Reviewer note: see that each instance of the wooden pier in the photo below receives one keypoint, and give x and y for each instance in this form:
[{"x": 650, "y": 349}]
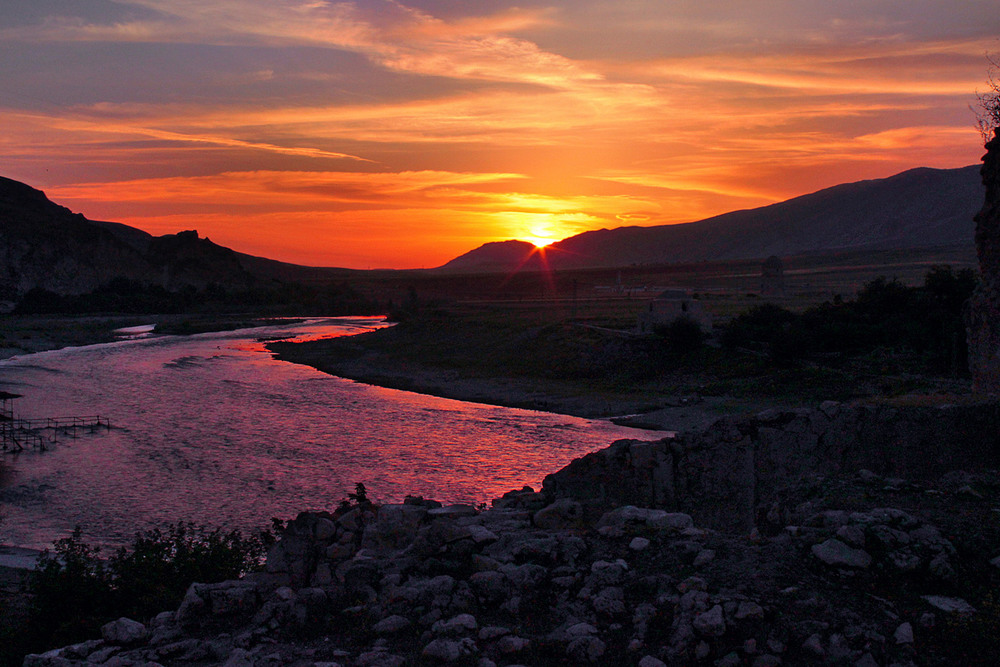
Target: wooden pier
[{"x": 18, "y": 434}]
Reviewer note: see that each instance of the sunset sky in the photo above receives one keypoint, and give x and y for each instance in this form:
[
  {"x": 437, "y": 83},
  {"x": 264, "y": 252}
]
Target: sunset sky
[{"x": 376, "y": 133}]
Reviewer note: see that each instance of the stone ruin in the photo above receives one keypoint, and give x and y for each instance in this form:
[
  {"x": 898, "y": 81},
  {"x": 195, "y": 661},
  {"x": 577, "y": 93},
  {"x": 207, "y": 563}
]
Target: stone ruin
[
  {"x": 772, "y": 278},
  {"x": 728, "y": 474},
  {"x": 670, "y": 306},
  {"x": 983, "y": 315}
]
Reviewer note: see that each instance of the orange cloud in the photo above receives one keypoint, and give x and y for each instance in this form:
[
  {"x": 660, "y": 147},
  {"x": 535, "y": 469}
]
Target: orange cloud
[
  {"x": 259, "y": 187},
  {"x": 352, "y": 123}
]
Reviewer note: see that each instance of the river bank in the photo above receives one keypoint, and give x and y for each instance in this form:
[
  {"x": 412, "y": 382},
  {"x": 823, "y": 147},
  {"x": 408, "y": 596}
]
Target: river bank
[
  {"x": 866, "y": 559},
  {"x": 28, "y": 334},
  {"x": 629, "y": 408},
  {"x": 500, "y": 356},
  {"x": 212, "y": 429}
]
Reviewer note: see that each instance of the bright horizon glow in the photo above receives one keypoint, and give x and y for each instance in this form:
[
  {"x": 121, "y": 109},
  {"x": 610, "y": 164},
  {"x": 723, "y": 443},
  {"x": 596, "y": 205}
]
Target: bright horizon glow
[
  {"x": 404, "y": 133},
  {"x": 539, "y": 242}
]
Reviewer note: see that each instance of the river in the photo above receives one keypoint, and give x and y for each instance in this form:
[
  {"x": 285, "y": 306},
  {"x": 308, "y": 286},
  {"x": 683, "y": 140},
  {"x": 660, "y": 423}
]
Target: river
[{"x": 212, "y": 429}]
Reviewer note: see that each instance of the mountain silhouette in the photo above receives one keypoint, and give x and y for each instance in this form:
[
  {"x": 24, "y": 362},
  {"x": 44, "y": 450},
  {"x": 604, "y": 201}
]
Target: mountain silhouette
[
  {"x": 918, "y": 208},
  {"x": 45, "y": 245}
]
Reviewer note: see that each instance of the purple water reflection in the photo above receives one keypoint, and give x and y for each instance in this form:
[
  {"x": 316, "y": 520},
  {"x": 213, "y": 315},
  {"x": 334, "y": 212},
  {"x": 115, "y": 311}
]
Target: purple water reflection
[{"x": 212, "y": 429}]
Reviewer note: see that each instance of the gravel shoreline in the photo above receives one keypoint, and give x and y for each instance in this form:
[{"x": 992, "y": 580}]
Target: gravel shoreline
[{"x": 638, "y": 410}]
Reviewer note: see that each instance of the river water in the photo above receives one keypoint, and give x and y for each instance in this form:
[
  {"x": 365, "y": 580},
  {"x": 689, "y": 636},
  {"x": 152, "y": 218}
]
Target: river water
[{"x": 211, "y": 429}]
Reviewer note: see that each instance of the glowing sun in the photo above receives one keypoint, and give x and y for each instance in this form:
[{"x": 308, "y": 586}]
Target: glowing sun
[{"x": 539, "y": 242}]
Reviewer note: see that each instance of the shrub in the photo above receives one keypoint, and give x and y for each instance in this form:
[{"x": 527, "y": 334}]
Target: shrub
[
  {"x": 759, "y": 327},
  {"x": 682, "y": 335},
  {"x": 154, "y": 574},
  {"x": 71, "y": 593},
  {"x": 74, "y": 592},
  {"x": 357, "y": 499},
  {"x": 923, "y": 323}
]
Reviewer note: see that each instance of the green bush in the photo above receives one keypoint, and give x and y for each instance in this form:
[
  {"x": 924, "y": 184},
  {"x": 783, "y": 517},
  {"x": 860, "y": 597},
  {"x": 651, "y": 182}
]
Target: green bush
[
  {"x": 924, "y": 323},
  {"x": 155, "y": 572},
  {"x": 71, "y": 593},
  {"x": 74, "y": 592}
]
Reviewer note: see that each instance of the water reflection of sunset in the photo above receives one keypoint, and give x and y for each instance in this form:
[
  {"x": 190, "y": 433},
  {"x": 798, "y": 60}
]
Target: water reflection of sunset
[{"x": 216, "y": 431}]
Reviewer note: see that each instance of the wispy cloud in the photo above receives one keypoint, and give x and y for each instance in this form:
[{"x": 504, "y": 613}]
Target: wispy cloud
[
  {"x": 378, "y": 121},
  {"x": 260, "y": 187},
  {"x": 389, "y": 33}
]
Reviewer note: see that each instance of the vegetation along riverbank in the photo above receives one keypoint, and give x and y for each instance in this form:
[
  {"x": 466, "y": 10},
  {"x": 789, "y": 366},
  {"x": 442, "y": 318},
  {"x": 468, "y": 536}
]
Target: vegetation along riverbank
[{"x": 889, "y": 339}]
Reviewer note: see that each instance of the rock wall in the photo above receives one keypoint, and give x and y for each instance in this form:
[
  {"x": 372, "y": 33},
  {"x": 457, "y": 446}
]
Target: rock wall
[
  {"x": 983, "y": 318},
  {"x": 414, "y": 584},
  {"x": 737, "y": 472}
]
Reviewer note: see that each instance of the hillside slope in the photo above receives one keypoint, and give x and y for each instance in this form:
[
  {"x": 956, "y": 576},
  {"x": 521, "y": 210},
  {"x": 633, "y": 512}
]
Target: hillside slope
[
  {"x": 917, "y": 208},
  {"x": 45, "y": 245}
]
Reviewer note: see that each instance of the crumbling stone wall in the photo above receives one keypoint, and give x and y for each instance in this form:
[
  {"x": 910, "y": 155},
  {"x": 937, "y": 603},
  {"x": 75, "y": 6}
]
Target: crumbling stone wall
[
  {"x": 983, "y": 318},
  {"x": 736, "y": 471}
]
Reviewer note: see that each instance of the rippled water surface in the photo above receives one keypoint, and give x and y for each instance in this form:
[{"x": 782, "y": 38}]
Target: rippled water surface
[{"x": 211, "y": 429}]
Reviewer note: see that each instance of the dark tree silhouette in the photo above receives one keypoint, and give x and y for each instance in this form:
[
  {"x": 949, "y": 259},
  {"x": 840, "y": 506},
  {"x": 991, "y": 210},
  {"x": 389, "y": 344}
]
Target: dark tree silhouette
[{"x": 988, "y": 108}]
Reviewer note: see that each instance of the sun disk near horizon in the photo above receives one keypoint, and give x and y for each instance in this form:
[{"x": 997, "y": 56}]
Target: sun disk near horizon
[{"x": 539, "y": 241}]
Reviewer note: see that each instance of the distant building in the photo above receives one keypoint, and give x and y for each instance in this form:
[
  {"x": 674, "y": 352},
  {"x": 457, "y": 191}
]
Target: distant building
[
  {"x": 772, "y": 277},
  {"x": 671, "y": 305}
]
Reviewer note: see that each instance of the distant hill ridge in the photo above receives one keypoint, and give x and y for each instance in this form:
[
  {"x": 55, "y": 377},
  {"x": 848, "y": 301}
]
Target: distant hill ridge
[
  {"x": 915, "y": 209},
  {"x": 45, "y": 245}
]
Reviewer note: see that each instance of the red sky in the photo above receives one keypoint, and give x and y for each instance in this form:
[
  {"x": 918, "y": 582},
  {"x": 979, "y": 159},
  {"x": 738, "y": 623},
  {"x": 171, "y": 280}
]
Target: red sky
[{"x": 401, "y": 134}]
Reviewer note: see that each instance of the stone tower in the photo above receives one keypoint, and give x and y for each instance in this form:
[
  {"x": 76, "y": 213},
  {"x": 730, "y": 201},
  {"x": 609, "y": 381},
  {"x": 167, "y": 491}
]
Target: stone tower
[
  {"x": 983, "y": 316},
  {"x": 772, "y": 277}
]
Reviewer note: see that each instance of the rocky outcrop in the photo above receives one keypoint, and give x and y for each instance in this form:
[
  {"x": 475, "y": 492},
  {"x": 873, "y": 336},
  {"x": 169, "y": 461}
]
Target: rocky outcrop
[
  {"x": 983, "y": 318},
  {"x": 735, "y": 473},
  {"x": 185, "y": 259},
  {"x": 787, "y": 552},
  {"x": 417, "y": 583},
  {"x": 44, "y": 245}
]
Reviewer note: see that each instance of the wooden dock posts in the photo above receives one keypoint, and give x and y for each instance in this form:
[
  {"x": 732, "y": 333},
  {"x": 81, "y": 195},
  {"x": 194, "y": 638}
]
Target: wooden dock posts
[{"x": 19, "y": 434}]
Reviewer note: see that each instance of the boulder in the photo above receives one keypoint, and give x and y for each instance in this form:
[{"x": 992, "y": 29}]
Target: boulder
[
  {"x": 903, "y": 634},
  {"x": 124, "y": 632},
  {"x": 711, "y": 623},
  {"x": 563, "y": 513},
  {"x": 391, "y": 625},
  {"x": 448, "y": 650},
  {"x": 463, "y": 624},
  {"x": 396, "y": 526},
  {"x": 949, "y": 605},
  {"x": 835, "y": 553}
]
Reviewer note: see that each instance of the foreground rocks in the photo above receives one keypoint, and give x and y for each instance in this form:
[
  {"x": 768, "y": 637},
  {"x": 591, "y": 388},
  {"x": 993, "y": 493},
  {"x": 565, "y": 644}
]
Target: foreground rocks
[
  {"x": 748, "y": 471},
  {"x": 787, "y": 552},
  {"x": 416, "y": 583}
]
